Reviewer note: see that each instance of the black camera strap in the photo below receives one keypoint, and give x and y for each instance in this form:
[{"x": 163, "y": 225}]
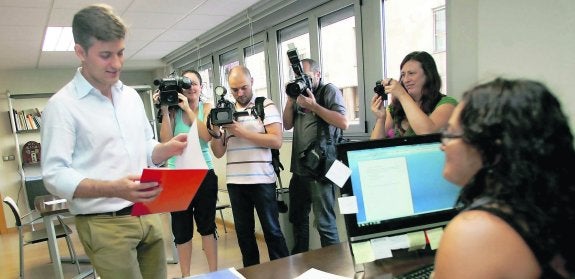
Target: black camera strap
[
  {"x": 258, "y": 111},
  {"x": 322, "y": 124}
]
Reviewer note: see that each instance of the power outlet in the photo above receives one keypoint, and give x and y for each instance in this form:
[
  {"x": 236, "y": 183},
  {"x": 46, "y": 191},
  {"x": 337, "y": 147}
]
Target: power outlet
[{"x": 8, "y": 158}]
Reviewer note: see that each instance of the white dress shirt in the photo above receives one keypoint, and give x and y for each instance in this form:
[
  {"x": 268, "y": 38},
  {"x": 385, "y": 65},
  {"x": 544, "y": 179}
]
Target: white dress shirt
[{"x": 85, "y": 135}]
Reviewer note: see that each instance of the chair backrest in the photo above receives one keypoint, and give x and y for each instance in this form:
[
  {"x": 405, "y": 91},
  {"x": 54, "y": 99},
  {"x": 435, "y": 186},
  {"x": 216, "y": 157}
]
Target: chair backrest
[{"x": 14, "y": 207}]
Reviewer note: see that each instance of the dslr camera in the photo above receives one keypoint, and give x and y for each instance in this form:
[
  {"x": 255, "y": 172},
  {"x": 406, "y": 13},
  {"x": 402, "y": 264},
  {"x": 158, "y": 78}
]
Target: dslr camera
[
  {"x": 301, "y": 82},
  {"x": 380, "y": 90},
  {"x": 224, "y": 112},
  {"x": 170, "y": 87}
]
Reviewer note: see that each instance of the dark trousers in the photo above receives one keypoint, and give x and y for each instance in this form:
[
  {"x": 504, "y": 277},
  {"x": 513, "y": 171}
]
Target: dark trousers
[{"x": 244, "y": 198}]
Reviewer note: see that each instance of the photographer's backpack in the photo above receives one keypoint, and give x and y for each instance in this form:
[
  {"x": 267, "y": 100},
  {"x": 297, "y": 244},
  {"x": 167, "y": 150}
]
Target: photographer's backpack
[{"x": 259, "y": 111}]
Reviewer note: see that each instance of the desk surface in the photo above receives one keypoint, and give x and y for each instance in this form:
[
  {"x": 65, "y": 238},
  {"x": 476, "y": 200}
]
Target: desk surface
[
  {"x": 336, "y": 259},
  {"x": 49, "y": 209}
]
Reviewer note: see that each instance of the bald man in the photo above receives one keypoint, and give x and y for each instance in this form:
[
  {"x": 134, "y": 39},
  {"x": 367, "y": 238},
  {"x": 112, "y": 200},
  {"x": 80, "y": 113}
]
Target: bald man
[{"x": 250, "y": 175}]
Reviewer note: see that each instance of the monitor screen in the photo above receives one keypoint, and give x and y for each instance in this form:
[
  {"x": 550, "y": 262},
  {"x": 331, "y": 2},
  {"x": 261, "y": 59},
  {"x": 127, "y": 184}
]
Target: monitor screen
[{"x": 398, "y": 186}]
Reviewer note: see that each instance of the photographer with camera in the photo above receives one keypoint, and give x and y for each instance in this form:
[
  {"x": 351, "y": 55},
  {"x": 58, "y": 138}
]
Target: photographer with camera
[
  {"x": 417, "y": 106},
  {"x": 177, "y": 119},
  {"x": 251, "y": 180},
  {"x": 316, "y": 106}
]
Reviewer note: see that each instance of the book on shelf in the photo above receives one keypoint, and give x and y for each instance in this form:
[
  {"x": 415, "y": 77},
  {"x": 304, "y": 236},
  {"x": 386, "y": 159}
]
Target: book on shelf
[
  {"x": 16, "y": 118},
  {"x": 23, "y": 121},
  {"x": 30, "y": 122},
  {"x": 29, "y": 119},
  {"x": 30, "y": 113}
]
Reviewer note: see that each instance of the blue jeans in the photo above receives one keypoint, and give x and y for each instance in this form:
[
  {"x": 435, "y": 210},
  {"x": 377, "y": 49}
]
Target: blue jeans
[
  {"x": 244, "y": 198},
  {"x": 304, "y": 192}
]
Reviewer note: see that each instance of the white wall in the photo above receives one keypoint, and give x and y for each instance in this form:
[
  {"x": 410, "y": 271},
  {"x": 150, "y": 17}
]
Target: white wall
[{"x": 514, "y": 39}]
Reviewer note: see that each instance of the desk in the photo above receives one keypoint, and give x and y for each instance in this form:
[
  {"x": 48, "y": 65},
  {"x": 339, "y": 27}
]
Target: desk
[
  {"x": 48, "y": 212},
  {"x": 336, "y": 259}
]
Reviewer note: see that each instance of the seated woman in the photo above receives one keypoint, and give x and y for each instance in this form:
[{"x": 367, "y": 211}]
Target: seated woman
[
  {"x": 417, "y": 106},
  {"x": 509, "y": 146}
]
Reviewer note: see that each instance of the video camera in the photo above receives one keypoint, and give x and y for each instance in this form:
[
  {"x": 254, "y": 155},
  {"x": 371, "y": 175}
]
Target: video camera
[
  {"x": 170, "y": 87},
  {"x": 301, "y": 82},
  {"x": 224, "y": 112}
]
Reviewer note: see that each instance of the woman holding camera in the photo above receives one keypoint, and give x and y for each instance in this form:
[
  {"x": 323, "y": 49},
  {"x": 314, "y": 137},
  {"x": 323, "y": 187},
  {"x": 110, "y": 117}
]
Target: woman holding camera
[
  {"x": 176, "y": 120},
  {"x": 417, "y": 107}
]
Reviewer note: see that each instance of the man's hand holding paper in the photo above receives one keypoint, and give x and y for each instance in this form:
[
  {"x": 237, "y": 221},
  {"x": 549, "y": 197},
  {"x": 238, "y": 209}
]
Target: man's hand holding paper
[{"x": 178, "y": 185}]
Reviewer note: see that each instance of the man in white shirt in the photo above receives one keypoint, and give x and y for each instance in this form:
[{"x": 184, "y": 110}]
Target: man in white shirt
[{"x": 96, "y": 140}]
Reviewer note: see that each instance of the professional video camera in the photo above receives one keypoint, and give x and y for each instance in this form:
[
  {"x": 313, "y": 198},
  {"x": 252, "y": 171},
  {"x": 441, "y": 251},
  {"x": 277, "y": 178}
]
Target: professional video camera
[
  {"x": 224, "y": 112},
  {"x": 301, "y": 82},
  {"x": 170, "y": 87}
]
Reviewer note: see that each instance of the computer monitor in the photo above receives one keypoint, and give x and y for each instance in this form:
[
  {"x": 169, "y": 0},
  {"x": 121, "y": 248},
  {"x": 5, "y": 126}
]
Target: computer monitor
[{"x": 398, "y": 186}]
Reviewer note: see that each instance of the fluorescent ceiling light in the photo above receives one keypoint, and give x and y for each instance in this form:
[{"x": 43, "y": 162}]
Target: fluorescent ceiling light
[{"x": 58, "y": 39}]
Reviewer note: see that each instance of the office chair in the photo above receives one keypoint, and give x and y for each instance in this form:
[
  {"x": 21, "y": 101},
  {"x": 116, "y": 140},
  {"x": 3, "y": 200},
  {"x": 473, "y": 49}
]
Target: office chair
[{"x": 38, "y": 235}]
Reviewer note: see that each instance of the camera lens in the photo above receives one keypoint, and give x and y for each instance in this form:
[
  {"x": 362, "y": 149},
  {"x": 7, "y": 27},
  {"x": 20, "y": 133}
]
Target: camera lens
[
  {"x": 293, "y": 89},
  {"x": 296, "y": 88}
]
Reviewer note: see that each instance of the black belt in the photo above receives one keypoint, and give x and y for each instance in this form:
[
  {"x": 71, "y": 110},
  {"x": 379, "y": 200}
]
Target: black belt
[{"x": 122, "y": 212}]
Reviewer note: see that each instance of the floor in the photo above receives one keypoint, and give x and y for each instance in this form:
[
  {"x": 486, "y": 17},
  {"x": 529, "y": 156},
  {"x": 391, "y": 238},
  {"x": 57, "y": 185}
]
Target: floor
[{"x": 37, "y": 260}]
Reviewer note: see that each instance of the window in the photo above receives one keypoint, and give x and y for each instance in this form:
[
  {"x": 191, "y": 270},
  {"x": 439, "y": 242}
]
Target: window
[
  {"x": 440, "y": 33},
  {"x": 255, "y": 60},
  {"x": 339, "y": 57},
  {"x": 294, "y": 36},
  {"x": 410, "y": 26},
  {"x": 207, "y": 83},
  {"x": 228, "y": 60}
]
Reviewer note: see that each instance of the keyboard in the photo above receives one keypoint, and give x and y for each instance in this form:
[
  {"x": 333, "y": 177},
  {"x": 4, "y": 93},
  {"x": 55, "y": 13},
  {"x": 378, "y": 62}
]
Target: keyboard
[{"x": 422, "y": 272}]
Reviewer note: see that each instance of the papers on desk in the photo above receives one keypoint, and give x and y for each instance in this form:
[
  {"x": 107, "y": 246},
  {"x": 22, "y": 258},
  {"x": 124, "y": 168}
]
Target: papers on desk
[
  {"x": 220, "y": 274},
  {"x": 313, "y": 273},
  {"x": 55, "y": 202},
  {"x": 380, "y": 248}
]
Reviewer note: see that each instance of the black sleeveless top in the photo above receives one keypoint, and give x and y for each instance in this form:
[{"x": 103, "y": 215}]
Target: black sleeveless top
[{"x": 520, "y": 223}]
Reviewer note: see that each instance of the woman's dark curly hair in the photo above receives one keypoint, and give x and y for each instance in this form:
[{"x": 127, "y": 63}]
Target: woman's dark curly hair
[
  {"x": 430, "y": 94},
  {"x": 528, "y": 157}
]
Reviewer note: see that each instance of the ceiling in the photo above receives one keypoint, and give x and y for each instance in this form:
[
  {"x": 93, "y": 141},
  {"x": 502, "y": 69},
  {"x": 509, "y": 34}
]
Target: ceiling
[{"x": 155, "y": 28}]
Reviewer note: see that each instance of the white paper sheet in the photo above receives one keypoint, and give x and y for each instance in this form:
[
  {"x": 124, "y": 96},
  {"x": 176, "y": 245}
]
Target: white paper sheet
[
  {"x": 347, "y": 205},
  {"x": 338, "y": 173},
  {"x": 55, "y": 202},
  {"x": 313, "y": 273},
  {"x": 192, "y": 157}
]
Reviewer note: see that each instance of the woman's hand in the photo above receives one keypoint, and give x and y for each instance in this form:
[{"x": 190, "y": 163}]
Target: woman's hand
[
  {"x": 394, "y": 88},
  {"x": 377, "y": 106},
  {"x": 156, "y": 99},
  {"x": 183, "y": 102}
]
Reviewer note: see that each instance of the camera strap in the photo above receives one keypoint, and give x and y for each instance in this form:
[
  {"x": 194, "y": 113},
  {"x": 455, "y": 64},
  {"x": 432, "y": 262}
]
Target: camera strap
[
  {"x": 259, "y": 112},
  {"x": 322, "y": 124}
]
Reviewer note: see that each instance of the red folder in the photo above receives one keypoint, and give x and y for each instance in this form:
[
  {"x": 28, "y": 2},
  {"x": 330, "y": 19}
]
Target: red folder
[{"x": 179, "y": 188}]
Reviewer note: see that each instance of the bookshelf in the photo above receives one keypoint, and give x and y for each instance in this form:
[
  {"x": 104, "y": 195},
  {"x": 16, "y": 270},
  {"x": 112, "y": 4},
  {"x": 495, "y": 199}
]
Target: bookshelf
[{"x": 25, "y": 120}]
